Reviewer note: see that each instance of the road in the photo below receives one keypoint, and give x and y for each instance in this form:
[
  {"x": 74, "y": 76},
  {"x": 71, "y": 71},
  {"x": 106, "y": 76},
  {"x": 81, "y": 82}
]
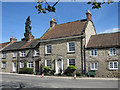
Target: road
[{"x": 15, "y": 81}]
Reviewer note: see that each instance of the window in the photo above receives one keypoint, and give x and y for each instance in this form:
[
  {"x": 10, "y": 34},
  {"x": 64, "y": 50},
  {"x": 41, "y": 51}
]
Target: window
[
  {"x": 30, "y": 64},
  {"x": 14, "y": 54},
  {"x": 71, "y": 46},
  {"x": 113, "y": 51},
  {"x": 3, "y": 64},
  {"x": 48, "y": 63},
  {"x": 48, "y": 49},
  {"x": 4, "y": 55},
  {"x": 94, "y": 66},
  {"x": 36, "y": 53},
  {"x": 71, "y": 62},
  {"x": 23, "y": 54},
  {"x": 94, "y": 52},
  {"x": 21, "y": 65},
  {"x": 113, "y": 65}
]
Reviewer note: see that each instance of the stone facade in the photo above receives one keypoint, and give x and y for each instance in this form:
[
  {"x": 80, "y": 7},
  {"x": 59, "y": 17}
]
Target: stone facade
[{"x": 103, "y": 58}]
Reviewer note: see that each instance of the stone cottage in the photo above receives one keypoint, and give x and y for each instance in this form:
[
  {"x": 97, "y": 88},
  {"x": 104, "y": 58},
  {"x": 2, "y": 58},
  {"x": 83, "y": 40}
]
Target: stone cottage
[
  {"x": 103, "y": 54},
  {"x": 64, "y": 44}
]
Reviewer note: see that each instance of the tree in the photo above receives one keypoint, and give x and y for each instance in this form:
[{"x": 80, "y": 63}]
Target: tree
[
  {"x": 43, "y": 6},
  {"x": 27, "y": 29}
]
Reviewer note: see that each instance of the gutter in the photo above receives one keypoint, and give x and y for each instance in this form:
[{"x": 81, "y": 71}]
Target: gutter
[{"x": 71, "y": 37}]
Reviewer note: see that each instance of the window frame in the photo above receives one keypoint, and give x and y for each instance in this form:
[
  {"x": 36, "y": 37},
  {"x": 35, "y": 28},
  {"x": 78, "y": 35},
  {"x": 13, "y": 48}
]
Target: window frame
[
  {"x": 111, "y": 52},
  {"x": 93, "y": 51},
  {"x": 21, "y": 66},
  {"x": 4, "y": 55},
  {"x": 4, "y": 65},
  {"x": 46, "y": 49},
  {"x": 69, "y": 61},
  {"x": 23, "y": 54},
  {"x": 68, "y": 47},
  {"x": 14, "y": 54},
  {"x": 113, "y": 63},
  {"x": 94, "y": 66},
  {"x": 46, "y": 63},
  {"x": 30, "y": 64}
]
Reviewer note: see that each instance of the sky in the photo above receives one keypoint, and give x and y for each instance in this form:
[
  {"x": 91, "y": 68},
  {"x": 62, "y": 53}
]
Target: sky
[{"x": 14, "y": 15}]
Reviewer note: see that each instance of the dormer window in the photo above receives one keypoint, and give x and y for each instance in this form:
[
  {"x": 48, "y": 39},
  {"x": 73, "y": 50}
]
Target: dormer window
[
  {"x": 23, "y": 53},
  {"x": 112, "y": 51},
  {"x": 4, "y": 55},
  {"x": 71, "y": 46},
  {"x": 48, "y": 49},
  {"x": 94, "y": 52}
]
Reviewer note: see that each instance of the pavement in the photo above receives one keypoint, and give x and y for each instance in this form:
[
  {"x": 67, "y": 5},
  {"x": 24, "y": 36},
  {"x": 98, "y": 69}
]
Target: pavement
[{"x": 63, "y": 77}]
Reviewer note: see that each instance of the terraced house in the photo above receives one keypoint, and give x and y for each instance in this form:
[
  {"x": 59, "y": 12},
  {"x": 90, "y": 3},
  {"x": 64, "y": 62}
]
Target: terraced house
[
  {"x": 14, "y": 55},
  {"x": 72, "y": 43},
  {"x": 103, "y": 54}
]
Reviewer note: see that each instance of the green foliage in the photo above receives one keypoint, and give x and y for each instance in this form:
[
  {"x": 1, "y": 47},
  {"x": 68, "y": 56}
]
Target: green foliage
[
  {"x": 27, "y": 29},
  {"x": 70, "y": 70},
  {"x": 46, "y": 69},
  {"x": 26, "y": 71},
  {"x": 91, "y": 72},
  {"x": 25, "y": 64},
  {"x": 52, "y": 72},
  {"x": 97, "y": 5}
]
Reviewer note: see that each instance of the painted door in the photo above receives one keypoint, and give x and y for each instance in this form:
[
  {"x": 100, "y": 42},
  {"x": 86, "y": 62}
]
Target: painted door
[
  {"x": 36, "y": 66},
  {"x": 14, "y": 66},
  {"x": 59, "y": 66}
]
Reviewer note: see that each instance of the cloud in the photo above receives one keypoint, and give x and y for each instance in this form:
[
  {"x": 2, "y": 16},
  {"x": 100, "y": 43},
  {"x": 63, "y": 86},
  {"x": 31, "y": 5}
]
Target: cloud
[{"x": 111, "y": 30}]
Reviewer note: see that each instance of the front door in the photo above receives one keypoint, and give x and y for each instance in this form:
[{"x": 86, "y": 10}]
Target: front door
[
  {"x": 36, "y": 66},
  {"x": 59, "y": 66},
  {"x": 14, "y": 66}
]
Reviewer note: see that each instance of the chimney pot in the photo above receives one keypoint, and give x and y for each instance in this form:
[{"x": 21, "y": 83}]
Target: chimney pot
[
  {"x": 89, "y": 16},
  {"x": 52, "y": 22}
]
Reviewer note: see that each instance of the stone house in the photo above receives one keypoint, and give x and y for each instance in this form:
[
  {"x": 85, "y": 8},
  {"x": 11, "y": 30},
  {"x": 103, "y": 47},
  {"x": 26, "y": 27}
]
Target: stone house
[
  {"x": 14, "y": 56},
  {"x": 103, "y": 54},
  {"x": 64, "y": 44}
]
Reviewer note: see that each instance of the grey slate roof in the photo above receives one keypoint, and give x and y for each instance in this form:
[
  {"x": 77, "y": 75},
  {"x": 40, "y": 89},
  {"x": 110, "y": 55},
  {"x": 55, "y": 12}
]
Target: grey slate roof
[{"x": 22, "y": 45}]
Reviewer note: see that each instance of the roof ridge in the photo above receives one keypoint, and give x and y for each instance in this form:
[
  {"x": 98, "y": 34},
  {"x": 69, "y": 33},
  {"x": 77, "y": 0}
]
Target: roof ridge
[{"x": 72, "y": 22}]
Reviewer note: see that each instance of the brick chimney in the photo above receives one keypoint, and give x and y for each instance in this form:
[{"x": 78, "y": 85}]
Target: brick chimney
[
  {"x": 52, "y": 22},
  {"x": 88, "y": 15},
  {"x": 12, "y": 39},
  {"x": 30, "y": 37}
]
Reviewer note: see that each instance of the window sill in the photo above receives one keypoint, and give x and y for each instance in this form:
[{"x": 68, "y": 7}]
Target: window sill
[
  {"x": 70, "y": 52},
  {"x": 3, "y": 68},
  {"x": 113, "y": 69},
  {"x": 48, "y": 53},
  {"x": 3, "y": 57}
]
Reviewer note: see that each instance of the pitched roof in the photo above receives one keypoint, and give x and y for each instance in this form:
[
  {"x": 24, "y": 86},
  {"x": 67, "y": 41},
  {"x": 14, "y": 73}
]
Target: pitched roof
[
  {"x": 104, "y": 40},
  {"x": 22, "y": 45},
  {"x": 65, "y": 30},
  {"x": 2, "y": 45}
]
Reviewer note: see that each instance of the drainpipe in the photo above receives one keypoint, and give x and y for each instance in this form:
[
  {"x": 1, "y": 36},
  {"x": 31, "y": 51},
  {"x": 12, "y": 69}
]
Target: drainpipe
[
  {"x": 84, "y": 61},
  {"x": 81, "y": 55},
  {"x": 18, "y": 58}
]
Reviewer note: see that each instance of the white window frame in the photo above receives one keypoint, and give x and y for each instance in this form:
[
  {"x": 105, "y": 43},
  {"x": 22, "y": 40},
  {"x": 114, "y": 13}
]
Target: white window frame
[
  {"x": 30, "y": 64},
  {"x": 69, "y": 47},
  {"x": 94, "y": 50},
  {"x": 69, "y": 62},
  {"x": 3, "y": 64},
  {"x": 21, "y": 64},
  {"x": 94, "y": 68},
  {"x": 112, "y": 53},
  {"x": 3, "y": 55},
  {"x": 113, "y": 62},
  {"x": 23, "y": 54},
  {"x": 46, "y": 64},
  {"x": 14, "y": 54},
  {"x": 46, "y": 49}
]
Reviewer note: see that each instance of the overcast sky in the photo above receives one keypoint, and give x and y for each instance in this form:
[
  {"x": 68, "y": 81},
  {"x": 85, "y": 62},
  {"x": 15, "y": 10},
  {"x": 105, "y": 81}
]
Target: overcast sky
[{"x": 14, "y": 15}]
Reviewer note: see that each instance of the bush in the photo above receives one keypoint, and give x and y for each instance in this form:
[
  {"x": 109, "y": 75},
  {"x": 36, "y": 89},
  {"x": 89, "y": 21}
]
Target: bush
[
  {"x": 78, "y": 74},
  {"x": 26, "y": 70},
  {"x": 46, "y": 69},
  {"x": 52, "y": 72},
  {"x": 70, "y": 69}
]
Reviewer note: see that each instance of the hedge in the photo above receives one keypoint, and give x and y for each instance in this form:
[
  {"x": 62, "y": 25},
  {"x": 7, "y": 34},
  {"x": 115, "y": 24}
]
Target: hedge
[{"x": 26, "y": 70}]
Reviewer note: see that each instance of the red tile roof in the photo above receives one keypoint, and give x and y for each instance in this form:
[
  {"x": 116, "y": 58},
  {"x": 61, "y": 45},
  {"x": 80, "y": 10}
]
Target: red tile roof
[
  {"x": 3, "y": 44},
  {"x": 65, "y": 30},
  {"x": 104, "y": 40}
]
